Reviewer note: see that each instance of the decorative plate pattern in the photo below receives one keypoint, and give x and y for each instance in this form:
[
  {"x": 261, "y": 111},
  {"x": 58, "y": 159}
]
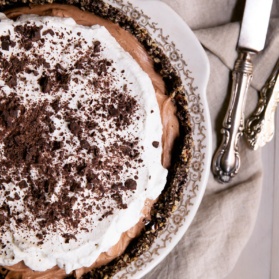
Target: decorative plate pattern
[{"x": 195, "y": 85}]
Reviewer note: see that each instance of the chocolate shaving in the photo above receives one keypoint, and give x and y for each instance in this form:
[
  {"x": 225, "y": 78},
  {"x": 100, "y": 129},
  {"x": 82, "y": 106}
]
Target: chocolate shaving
[
  {"x": 48, "y": 31},
  {"x": 6, "y": 42},
  {"x": 68, "y": 237},
  {"x": 45, "y": 83},
  {"x": 155, "y": 144},
  {"x": 130, "y": 184},
  {"x": 74, "y": 127}
]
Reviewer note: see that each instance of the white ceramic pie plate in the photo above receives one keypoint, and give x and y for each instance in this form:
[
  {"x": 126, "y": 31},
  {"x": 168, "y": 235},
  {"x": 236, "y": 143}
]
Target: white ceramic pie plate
[{"x": 188, "y": 57}]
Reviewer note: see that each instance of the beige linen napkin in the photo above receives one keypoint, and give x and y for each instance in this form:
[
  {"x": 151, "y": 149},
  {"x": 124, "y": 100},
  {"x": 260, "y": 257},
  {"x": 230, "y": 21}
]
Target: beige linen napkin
[{"x": 227, "y": 214}]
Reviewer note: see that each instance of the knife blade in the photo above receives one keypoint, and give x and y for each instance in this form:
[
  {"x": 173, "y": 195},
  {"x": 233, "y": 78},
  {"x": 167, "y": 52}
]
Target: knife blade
[
  {"x": 226, "y": 161},
  {"x": 254, "y": 24}
]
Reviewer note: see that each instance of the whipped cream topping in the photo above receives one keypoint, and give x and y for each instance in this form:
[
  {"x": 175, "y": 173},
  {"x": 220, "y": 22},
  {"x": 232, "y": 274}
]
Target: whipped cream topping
[{"x": 80, "y": 142}]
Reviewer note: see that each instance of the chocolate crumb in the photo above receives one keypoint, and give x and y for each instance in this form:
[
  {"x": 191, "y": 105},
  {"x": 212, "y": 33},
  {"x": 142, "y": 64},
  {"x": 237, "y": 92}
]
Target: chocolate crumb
[
  {"x": 56, "y": 145},
  {"x": 130, "y": 184},
  {"x": 97, "y": 46},
  {"x": 6, "y": 42},
  {"x": 45, "y": 84},
  {"x": 68, "y": 237},
  {"x": 39, "y": 236},
  {"x": 74, "y": 127},
  {"x": 2, "y": 220},
  {"x": 85, "y": 144},
  {"x": 55, "y": 105},
  {"x": 23, "y": 184},
  {"x": 155, "y": 144},
  {"x": 48, "y": 31}
]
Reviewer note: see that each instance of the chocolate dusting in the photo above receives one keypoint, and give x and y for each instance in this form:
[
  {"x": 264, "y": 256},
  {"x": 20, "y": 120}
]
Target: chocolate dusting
[
  {"x": 178, "y": 174},
  {"x": 30, "y": 148}
]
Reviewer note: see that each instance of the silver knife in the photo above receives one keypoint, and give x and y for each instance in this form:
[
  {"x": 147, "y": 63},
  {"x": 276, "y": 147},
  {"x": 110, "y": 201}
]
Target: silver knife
[{"x": 226, "y": 161}]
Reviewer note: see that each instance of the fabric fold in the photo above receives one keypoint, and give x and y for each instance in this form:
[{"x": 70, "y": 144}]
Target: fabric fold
[{"x": 221, "y": 41}]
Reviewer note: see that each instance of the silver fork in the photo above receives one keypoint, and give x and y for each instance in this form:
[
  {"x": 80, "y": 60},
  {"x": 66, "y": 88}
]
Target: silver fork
[{"x": 261, "y": 124}]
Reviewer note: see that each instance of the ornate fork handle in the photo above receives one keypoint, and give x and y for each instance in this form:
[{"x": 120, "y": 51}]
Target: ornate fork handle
[
  {"x": 226, "y": 161},
  {"x": 260, "y": 125}
]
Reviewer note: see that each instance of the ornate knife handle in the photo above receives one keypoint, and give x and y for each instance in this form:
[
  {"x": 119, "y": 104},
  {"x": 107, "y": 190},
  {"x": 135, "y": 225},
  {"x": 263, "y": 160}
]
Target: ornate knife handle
[
  {"x": 226, "y": 161},
  {"x": 260, "y": 125}
]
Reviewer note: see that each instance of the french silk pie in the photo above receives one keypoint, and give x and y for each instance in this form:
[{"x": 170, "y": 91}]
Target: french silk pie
[{"x": 94, "y": 140}]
